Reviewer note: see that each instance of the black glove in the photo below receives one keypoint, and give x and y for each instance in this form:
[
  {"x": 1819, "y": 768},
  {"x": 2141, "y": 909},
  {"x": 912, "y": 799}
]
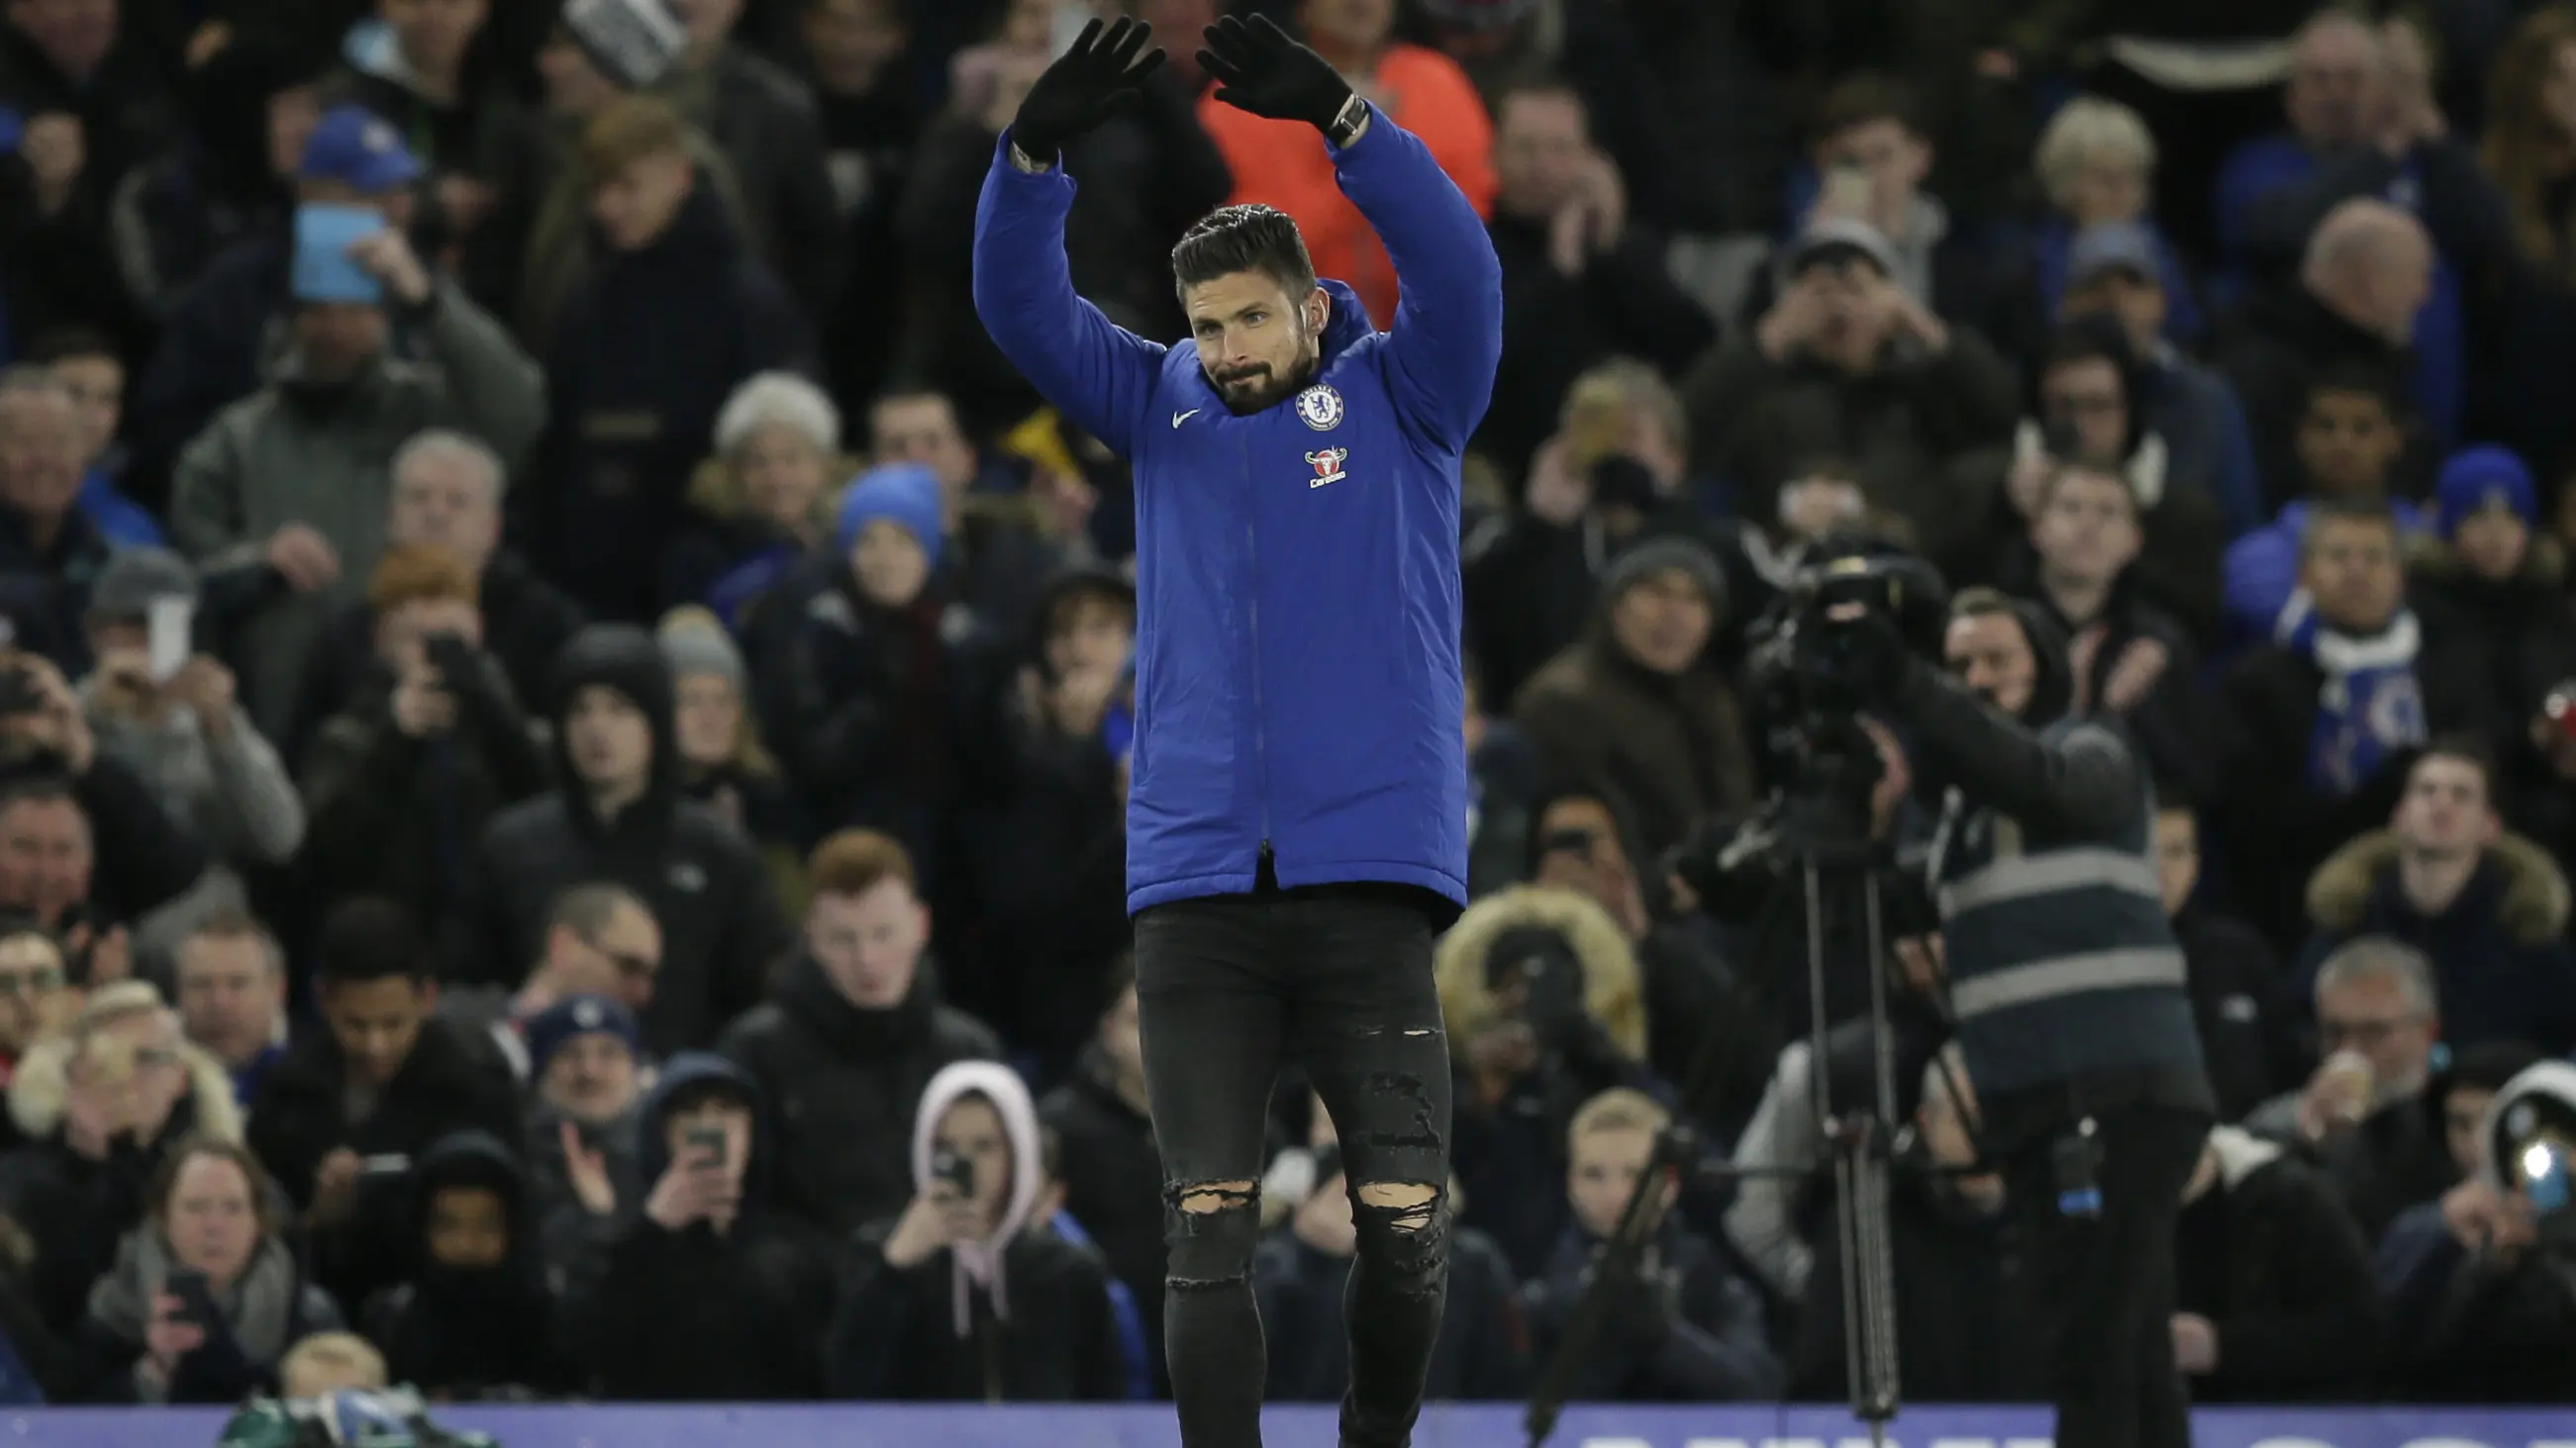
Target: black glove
[
  {"x": 1082, "y": 88},
  {"x": 1259, "y": 69}
]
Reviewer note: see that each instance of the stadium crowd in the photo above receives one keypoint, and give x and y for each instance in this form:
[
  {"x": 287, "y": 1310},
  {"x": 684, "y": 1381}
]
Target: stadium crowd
[{"x": 565, "y": 716}]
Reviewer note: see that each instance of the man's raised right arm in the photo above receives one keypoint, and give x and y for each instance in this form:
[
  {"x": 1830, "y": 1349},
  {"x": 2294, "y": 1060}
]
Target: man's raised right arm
[{"x": 1098, "y": 374}]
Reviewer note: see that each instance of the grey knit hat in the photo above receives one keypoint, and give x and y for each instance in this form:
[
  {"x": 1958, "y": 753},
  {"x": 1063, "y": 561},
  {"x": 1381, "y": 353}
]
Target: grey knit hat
[
  {"x": 135, "y": 577},
  {"x": 1665, "y": 553},
  {"x": 696, "y": 644}
]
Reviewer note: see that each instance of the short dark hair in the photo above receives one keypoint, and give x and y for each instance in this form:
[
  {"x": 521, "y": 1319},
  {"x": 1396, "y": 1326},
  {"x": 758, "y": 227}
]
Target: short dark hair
[
  {"x": 1863, "y": 97},
  {"x": 370, "y": 938},
  {"x": 2374, "y": 512},
  {"x": 45, "y": 788},
  {"x": 1234, "y": 239},
  {"x": 1542, "y": 86},
  {"x": 2358, "y": 376},
  {"x": 1982, "y": 602},
  {"x": 230, "y": 923},
  {"x": 2064, "y": 467},
  {"x": 2465, "y": 749},
  {"x": 1081, "y": 596},
  {"x": 62, "y": 344}
]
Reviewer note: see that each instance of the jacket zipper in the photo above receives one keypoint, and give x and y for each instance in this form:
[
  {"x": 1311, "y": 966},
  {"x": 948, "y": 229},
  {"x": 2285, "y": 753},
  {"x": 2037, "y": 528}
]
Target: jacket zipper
[{"x": 1260, "y": 722}]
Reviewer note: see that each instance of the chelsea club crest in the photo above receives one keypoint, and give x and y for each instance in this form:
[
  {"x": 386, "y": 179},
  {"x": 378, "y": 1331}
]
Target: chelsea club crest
[{"x": 1320, "y": 407}]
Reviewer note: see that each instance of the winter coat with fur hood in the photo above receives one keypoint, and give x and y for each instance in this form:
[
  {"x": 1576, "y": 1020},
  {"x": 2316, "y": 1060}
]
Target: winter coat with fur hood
[
  {"x": 74, "y": 1208},
  {"x": 1508, "y": 1143},
  {"x": 2501, "y": 965}
]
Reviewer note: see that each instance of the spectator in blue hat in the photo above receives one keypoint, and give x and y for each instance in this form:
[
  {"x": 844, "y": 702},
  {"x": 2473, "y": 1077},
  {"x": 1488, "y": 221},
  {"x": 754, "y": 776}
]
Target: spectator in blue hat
[
  {"x": 2491, "y": 582},
  {"x": 587, "y": 1055},
  {"x": 296, "y": 481},
  {"x": 871, "y": 698},
  {"x": 217, "y": 346}
]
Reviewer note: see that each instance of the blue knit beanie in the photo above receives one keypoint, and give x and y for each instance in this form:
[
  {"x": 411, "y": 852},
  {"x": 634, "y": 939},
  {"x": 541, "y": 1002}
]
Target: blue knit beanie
[
  {"x": 905, "y": 493},
  {"x": 2480, "y": 478}
]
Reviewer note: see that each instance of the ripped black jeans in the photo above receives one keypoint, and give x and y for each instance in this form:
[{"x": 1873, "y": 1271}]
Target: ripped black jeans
[{"x": 1338, "y": 980}]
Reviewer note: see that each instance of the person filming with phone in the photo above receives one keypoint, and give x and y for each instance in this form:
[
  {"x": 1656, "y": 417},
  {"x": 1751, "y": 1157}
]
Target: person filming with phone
[
  {"x": 710, "y": 1294},
  {"x": 963, "y": 1298},
  {"x": 168, "y": 709},
  {"x": 205, "y": 1296}
]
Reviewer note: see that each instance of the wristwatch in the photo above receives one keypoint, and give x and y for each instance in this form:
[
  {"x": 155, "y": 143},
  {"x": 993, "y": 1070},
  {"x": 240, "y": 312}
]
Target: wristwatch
[{"x": 1348, "y": 122}]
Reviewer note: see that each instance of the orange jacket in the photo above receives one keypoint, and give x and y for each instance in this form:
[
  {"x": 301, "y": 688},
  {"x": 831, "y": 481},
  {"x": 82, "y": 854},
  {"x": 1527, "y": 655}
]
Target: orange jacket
[{"x": 1286, "y": 164}]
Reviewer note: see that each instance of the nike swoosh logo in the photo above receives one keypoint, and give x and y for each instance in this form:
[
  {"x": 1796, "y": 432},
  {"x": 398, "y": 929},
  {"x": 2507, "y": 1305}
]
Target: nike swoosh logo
[{"x": 1181, "y": 417}]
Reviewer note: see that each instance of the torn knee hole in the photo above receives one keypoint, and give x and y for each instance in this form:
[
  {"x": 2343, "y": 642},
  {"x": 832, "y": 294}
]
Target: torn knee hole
[
  {"x": 1404, "y": 1206},
  {"x": 1201, "y": 1199}
]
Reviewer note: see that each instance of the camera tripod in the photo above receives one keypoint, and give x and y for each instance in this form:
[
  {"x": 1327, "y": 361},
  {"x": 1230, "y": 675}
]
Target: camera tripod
[{"x": 1823, "y": 832}]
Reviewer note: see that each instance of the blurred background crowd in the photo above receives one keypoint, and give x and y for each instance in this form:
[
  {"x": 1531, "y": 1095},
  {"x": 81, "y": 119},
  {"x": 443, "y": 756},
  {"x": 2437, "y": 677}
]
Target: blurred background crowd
[{"x": 564, "y": 720}]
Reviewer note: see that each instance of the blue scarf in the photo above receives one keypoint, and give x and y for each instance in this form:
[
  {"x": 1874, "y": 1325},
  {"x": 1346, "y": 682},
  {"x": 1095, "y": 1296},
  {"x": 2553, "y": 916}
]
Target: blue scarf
[{"x": 2370, "y": 706}]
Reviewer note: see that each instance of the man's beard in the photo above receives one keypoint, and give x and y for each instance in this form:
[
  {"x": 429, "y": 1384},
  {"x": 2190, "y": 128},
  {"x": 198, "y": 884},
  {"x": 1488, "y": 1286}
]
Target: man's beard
[{"x": 1258, "y": 389}]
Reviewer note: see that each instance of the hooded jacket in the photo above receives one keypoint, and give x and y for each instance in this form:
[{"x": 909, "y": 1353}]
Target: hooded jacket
[
  {"x": 641, "y": 361},
  {"x": 846, "y": 1083},
  {"x": 469, "y": 1332},
  {"x": 698, "y": 1316},
  {"x": 453, "y": 1080},
  {"x": 2522, "y": 627},
  {"x": 706, "y": 883},
  {"x": 1298, "y": 677},
  {"x": 74, "y": 1209},
  {"x": 2269, "y": 1256},
  {"x": 2501, "y": 967},
  {"x": 1023, "y": 1315},
  {"x": 1510, "y": 1161}
]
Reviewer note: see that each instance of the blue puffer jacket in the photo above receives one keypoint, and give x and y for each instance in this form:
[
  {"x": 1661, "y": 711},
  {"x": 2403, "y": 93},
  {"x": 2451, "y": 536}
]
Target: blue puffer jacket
[{"x": 1298, "y": 685}]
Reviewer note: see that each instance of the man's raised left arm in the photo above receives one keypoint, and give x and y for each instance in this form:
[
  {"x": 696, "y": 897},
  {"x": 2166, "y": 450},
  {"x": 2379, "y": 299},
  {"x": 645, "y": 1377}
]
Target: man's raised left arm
[
  {"x": 1447, "y": 338},
  {"x": 1448, "y": 333}
]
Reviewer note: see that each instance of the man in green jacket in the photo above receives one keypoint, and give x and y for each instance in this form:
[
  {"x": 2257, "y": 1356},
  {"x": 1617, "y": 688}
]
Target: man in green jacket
[{"x": 282, "y": 500}]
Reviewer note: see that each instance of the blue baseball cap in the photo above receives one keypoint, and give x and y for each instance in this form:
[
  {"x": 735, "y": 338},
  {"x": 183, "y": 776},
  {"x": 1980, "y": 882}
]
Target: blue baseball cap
[{"x": 359, "y": 149}]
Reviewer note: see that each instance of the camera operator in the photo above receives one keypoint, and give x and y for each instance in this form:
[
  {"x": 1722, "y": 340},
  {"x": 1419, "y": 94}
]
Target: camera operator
[{"x": 2068, "y": 991}]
